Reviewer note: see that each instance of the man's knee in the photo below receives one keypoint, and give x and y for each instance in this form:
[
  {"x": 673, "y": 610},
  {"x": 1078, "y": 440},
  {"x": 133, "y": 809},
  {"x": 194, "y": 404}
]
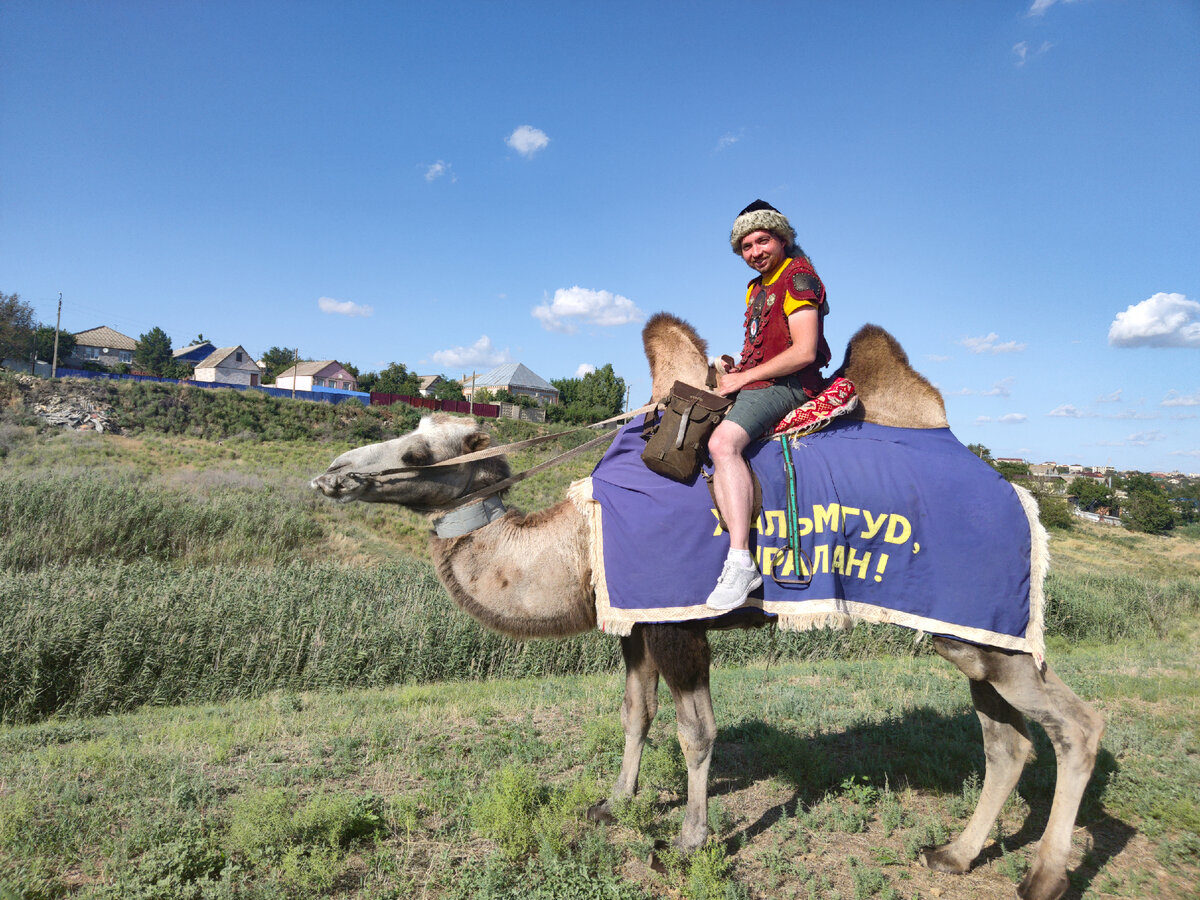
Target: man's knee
[{"x": 727, "y": 440}]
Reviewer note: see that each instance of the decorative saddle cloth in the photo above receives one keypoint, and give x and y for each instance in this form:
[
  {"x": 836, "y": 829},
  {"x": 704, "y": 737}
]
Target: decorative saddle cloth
[{"x": 895, "y": 525}]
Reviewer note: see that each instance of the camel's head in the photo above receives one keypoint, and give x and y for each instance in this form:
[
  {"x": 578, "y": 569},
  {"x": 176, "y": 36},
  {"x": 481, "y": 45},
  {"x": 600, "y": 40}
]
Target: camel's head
[{"x": 359, "y": 474}]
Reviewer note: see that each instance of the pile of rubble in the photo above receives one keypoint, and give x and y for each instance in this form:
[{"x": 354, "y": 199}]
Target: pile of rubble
[{"x": 74, "y": 413}]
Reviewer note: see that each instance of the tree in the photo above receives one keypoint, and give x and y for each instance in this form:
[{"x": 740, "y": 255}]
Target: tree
[
  {"x": 981, "y": 451},
  {"x": 43, "y": 340},
  {"x": 396, "y": 379},
  {"x": 597, "y": 395},
  {"x": 483, "y": 395},
  {"x": 448, "y": 390},
  {"x": 277, "y": 360},
  {"x": 153, "y": 353},
  {"x": 16, "y": 327},
  {"x": 1090, "y": 494},
  {"x": 1148, "y": 512},
  {"x": 1011, "y": 470}
]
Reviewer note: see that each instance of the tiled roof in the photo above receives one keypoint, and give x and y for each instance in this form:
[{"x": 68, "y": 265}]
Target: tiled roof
[
  {"x": 514, "y": 375},
  {"x": 307, "y": 368},
  {"x": 103, "y": 336},
  {"x": 219, "y": 356}
]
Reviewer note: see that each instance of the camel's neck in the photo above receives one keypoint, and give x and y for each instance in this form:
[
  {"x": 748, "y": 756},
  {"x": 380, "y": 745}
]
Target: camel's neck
[{"x": 525, "y": 576}]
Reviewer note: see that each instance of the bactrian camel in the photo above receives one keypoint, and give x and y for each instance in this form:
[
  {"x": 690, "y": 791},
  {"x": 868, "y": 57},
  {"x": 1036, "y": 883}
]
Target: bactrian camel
[{"x": 529, "y": 576}]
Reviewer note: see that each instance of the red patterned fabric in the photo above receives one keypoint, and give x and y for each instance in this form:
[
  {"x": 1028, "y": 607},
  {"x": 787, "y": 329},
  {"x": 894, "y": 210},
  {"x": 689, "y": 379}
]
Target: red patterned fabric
[{"x": 836, "y": 400}]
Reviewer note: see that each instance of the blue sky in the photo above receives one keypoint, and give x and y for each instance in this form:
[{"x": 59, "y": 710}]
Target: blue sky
[{"x": 1011, "y": 188}]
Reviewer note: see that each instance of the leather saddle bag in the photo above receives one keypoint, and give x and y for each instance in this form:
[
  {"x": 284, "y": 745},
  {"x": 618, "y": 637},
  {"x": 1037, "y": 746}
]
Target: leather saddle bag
[{"x": 676, "y": 432}]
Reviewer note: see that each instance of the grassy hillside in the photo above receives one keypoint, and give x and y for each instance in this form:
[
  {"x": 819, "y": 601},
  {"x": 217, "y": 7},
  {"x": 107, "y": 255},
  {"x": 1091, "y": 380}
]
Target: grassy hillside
[{"x": 214, "y": 683}]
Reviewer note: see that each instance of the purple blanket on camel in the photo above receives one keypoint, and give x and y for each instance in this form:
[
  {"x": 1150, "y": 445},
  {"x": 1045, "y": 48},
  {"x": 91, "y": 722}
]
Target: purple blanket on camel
[{"x": 895, "y": 525}]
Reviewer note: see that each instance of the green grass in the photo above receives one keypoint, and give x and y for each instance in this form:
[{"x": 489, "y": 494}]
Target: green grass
[
  {"x": 213, "y": 684},
  {"x": 827, "y": 776}
]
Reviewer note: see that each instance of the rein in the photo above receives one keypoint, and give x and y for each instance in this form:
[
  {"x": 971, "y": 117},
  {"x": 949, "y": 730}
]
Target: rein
[{"x": 489, "y": 452}]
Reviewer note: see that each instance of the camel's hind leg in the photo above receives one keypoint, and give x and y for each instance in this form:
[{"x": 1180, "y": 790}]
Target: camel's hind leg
[
  {"x": 1006, "y": 747},
  {"x": 1074, "y": 728},
  {"x": 637, "y": 712}
]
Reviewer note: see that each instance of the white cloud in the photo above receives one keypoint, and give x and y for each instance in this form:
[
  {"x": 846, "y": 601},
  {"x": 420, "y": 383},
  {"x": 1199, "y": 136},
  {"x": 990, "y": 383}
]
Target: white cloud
[
  {"x": 982, "y": 420},
  {"x": 479, "y": 354},
  {"x": 1164, "y": 320},
  {"x": 1039, "y": 7},
  {"x": 1183, "y": 452},
  {"x": 1132, "y": 414},
  {"x": 344, "y": 308},
  {"x": 991, "y": 344},
  {"x": 1114, "y": 397},
  {"x": 527, "y": 140},
  {"x": 1025, "y": 52},
  {"x": 438, "y": 169},
  {"x": 1067, "y": 411},
  {"x": 1174, "y": 398},
  {"x": 934, "y": 357},
  {"x": 727, "y": 140},
  {"x": 1000, "y": 388},
  {"x": 1145, "y": 437},
  {"x": 584, "y": 369},
  {"x": 571, "y": 305},
  {"x": 1012, "y": 419}
]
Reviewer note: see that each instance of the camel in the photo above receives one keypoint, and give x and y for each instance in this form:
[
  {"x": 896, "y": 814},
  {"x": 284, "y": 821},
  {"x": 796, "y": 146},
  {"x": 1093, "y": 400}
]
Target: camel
[{"x": 529, "y": 576}]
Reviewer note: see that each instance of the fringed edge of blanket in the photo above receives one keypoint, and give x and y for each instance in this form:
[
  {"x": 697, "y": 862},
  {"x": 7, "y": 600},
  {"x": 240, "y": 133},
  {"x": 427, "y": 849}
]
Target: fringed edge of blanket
[
  {"x": 829, "y": 613},
  {"x": 1039, "y": 566}
]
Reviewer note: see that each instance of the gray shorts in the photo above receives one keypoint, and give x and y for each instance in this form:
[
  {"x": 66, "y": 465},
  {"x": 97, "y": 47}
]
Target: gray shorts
[{"x": 758, "y": 411}]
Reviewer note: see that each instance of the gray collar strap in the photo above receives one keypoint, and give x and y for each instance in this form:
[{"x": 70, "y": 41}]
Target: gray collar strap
[{"x": 469, "y": 518}]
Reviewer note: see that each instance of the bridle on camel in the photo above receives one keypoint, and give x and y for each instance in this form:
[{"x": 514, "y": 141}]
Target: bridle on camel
[{"x": 488, "y": 452}]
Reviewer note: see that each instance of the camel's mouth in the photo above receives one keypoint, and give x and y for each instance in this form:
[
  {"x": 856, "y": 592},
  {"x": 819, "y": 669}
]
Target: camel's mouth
[{"x": 342, "y": 488}]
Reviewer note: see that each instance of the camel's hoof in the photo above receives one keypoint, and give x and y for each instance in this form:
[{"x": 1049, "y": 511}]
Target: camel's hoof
[
  {"x": 1039, "y": 885},
  {"x": 943, "y": 859},
  {"x": 601, "y": 812}
]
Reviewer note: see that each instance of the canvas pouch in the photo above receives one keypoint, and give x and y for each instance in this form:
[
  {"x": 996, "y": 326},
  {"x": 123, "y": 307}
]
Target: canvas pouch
[{"x": 676, "y": 432}]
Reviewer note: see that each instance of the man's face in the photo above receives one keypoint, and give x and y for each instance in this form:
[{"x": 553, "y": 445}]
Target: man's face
[{"x": 763, "y": 251}]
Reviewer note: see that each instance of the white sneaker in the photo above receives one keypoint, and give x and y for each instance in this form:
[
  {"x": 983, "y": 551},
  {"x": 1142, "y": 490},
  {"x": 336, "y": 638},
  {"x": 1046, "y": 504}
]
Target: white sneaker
[{"x": 733, "y": 587}]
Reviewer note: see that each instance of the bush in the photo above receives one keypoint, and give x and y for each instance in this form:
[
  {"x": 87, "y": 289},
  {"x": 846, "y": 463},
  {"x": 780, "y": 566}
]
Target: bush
[{"x": 1054, "y": 512}]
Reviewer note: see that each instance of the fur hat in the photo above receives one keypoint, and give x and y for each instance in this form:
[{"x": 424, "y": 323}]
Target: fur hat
[{"x": 761, "y": 216}]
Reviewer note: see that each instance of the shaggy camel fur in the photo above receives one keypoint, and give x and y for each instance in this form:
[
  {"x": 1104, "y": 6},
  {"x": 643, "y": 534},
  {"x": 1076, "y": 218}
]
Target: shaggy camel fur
[{"x": 529, "y": 576}]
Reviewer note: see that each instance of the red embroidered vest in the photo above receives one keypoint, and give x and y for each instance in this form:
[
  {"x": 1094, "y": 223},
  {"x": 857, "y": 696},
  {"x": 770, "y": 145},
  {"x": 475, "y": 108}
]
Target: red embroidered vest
[{"x": 767, "y": 333}]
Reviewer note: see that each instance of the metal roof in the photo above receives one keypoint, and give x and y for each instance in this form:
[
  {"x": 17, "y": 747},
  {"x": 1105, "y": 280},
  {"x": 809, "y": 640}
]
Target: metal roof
[{"x": 514, "y": 375}]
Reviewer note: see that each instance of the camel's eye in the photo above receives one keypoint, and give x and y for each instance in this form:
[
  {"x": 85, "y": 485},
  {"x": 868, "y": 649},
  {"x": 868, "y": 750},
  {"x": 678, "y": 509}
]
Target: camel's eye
[{"x": 417, "y": 456}]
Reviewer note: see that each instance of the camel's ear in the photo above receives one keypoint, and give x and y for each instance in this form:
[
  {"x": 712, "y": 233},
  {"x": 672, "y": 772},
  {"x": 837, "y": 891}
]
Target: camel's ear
[{"x": 476, "y": 440}]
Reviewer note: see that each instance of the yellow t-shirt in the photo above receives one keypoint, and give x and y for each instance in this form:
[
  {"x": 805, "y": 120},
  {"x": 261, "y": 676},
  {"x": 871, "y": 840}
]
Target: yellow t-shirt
[{"x": 790, "y": 303}]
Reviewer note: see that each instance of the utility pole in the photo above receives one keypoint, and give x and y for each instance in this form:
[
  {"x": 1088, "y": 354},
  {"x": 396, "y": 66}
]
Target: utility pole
[
  {"x": 295, "y": 371},
  {"x": 628, "y": 390},
  {"x": 57, "y": 323}
]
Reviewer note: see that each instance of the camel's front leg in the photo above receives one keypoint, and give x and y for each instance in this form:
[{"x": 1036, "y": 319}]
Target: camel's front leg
[
  {"x": 637, "y": 712},
  {"x": 683, "y": 657}
]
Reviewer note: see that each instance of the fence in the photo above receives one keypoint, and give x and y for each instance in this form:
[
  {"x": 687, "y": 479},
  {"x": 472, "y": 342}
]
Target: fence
[
  {"x": 487, "y": 410},
  {"x": 323, "y": 395},
  {"x": 336, "y": 395}
]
